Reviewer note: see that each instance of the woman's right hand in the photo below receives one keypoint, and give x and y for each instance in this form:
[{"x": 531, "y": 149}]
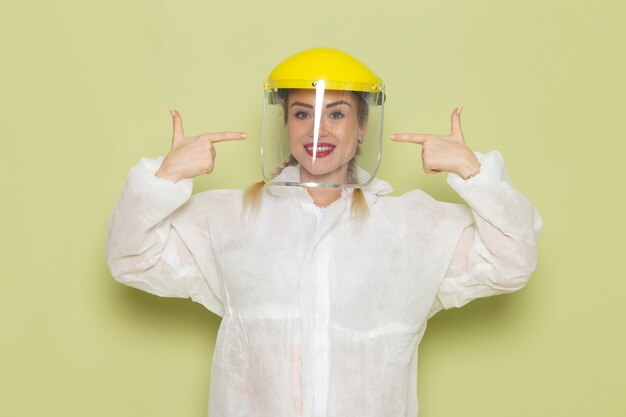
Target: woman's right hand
[{"x": 193, "y": 156}]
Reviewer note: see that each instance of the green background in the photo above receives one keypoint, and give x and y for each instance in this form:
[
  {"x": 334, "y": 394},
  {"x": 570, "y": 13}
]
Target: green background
[{"x": 85, "y": 89}]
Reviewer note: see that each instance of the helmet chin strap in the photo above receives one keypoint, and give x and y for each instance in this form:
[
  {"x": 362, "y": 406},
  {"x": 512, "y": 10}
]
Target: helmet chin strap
[{"x": 320, "y": 86}]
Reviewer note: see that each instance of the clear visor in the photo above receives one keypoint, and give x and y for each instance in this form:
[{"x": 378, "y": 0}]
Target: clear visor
[{"x": 331, "y": 137}]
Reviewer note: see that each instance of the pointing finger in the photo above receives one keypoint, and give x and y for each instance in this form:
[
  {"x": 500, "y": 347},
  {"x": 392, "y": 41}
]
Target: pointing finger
[
  {"x": 456, "y": 121},
  {"x": 409, "y": 137},
  {"x": 224, "y": 136}
]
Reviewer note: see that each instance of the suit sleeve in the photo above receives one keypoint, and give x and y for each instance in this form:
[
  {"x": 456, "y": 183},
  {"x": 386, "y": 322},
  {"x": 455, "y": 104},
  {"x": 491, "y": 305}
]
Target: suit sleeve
[
  {"x": 143, "y": 247},
  {"x": 498, "y": 253}
]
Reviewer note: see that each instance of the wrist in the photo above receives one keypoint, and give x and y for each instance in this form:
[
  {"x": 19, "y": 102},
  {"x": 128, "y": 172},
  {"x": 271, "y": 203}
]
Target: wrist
[
  {"x": 470, "y": 169},
  {"x": 164, "y": 174},
  {"x": 472, "y": 174}
]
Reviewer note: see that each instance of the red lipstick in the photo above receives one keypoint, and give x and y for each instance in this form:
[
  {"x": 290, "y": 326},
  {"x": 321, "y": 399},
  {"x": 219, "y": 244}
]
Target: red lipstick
[{"x": 323, "y": 149}]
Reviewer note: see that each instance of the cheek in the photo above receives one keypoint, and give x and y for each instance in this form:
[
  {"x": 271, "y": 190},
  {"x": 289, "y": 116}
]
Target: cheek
[
  {"x": 350, "y": 134},
  {"x": 296, "y": 130},
  {"x": 294, "y": 135}
]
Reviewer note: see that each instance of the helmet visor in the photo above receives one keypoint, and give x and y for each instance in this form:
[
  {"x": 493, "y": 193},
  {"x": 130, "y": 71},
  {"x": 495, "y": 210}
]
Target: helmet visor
[{"x": 333, "y": 136}]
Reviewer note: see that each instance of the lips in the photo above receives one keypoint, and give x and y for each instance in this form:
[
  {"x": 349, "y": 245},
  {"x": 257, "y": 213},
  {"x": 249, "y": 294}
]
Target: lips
[{"x": 323, "y": 149}]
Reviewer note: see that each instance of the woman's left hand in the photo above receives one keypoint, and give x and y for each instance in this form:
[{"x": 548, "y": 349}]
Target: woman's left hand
[{"x": 444, "y": 153}]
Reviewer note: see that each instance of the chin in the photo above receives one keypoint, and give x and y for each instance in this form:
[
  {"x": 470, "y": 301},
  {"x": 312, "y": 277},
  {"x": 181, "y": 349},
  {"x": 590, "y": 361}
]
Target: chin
[{"x": 325, "y": 173}]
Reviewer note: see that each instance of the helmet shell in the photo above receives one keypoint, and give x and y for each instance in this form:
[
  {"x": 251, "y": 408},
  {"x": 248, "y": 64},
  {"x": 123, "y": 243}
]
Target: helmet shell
[{"x": 339, "y": 70}]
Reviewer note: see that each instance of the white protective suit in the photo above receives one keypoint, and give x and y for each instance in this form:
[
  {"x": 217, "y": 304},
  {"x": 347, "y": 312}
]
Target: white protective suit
[{"x": 322, "y": 314}]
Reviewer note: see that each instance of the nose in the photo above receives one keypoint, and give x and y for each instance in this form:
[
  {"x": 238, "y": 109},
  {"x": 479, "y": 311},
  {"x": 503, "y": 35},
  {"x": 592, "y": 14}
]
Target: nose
[{"x": 323, "y": 131}]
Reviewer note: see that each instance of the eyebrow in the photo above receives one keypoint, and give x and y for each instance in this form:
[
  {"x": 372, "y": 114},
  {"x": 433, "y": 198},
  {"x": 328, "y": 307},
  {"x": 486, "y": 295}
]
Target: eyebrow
[{"x": 335, "y": 103}]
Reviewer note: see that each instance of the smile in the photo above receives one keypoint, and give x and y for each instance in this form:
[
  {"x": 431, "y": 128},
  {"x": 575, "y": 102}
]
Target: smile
[{"x": 322, "y": 150}]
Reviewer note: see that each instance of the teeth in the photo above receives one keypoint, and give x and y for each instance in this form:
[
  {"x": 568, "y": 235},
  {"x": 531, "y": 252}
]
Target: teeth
[{"x": 321, "y": 148}]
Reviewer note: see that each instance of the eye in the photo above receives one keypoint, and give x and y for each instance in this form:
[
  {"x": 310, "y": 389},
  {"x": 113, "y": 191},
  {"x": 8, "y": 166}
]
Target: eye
[
  {"x": 302, "y": 115},
  {"x": 336, "y": 115}
]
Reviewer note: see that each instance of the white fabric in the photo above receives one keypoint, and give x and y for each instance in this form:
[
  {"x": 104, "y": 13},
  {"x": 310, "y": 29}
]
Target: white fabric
[{"x": 322, "y": 314}]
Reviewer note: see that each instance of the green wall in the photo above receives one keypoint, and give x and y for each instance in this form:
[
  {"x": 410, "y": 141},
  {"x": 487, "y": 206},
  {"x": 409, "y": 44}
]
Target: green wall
[{"x": 85, "y": 89}]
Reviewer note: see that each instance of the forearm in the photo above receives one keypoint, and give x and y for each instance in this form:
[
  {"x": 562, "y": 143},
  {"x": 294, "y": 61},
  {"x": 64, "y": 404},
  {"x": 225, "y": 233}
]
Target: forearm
[
  {"x": 495, "y": 202},
  {"x": 140, "y": 227},
  {"x": 499, "y": 252}
]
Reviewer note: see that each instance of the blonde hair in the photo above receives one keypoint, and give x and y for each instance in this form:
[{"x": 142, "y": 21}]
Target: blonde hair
[
  {"x": 252, "y": 194},
  {"x": 358, "y": 208}
]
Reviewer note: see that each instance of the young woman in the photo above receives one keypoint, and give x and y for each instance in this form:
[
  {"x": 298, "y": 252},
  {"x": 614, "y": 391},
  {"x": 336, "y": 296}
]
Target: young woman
[{"x": 324, "y": 284}]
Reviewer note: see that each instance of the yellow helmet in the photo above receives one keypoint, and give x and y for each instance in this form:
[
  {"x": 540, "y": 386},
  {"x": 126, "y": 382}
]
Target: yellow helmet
[
  {"x": 331, "y": 135},
  {"x": 339, "y": 70}
]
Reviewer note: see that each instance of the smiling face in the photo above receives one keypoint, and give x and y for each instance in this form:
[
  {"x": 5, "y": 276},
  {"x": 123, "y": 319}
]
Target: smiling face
[{"x": 337, "y": 138}]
